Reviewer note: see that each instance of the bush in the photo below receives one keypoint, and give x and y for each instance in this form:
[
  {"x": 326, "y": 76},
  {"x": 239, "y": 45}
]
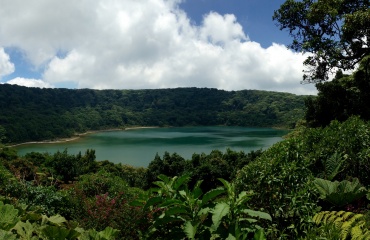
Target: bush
[
  {"x": 281, "y": 181},
  {"x": 48, "y": 198}
]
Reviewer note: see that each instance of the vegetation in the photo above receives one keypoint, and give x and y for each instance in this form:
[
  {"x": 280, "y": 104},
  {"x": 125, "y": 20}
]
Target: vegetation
[
  {"x": 33, "y": 114},
  {"x": 283, "y": 192},
  {"x": 335, "y": 32},
  {"x": 312, "y": 185}
]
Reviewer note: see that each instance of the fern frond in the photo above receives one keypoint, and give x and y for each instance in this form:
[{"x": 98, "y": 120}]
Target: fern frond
[
  {"x": 340, "y": 213},
  {"x": 349, "y": 224},
  {"x": 347, "y": 215},
  {"x": 356, "y": 233},
  {"x": 327, "y": 216}
]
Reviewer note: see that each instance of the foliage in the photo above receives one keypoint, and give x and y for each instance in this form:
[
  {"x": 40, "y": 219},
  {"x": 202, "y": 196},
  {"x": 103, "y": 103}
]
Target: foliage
[
  {"x": 179, "y": 212},
  {"x": 282, "y": 183},
  {"x": 59, "y": 113},
  {"x": 47, "y": 198},
  {"x": 100, "y": 183},
  {"x": 27, "y": 224},
  {"x": 335, "y": 32},
  {"x": 341, "y": 98},
  {"x": 5, "y": 177},
  {"x": 207, "y": 167},
  {"x": 103, "y": 211},
  {"x": 348, "y": 223},
  {"x": 102, "y": 200},
  {"x": 350, "y": 140},
  {"x": 68, "y": 166},
  {"x": 339, "y": 193}
]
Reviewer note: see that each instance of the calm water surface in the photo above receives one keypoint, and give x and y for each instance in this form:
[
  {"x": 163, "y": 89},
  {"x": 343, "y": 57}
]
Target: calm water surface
[{"x": 138, "y": 147}]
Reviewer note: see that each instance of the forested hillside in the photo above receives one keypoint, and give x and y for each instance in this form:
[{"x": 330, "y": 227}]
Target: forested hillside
[{"x": 33, "y": 114}]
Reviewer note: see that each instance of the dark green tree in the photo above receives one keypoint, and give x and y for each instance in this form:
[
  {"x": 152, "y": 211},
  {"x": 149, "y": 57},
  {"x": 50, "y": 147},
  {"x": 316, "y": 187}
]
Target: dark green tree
[
  {"x": 2, "y": 134},
  {"x": 336, "y": 32},
  {"x": 341, "y": 98}
]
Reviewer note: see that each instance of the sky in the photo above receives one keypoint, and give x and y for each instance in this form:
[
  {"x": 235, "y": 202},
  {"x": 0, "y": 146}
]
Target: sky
[{"x": 147, "y": 44}]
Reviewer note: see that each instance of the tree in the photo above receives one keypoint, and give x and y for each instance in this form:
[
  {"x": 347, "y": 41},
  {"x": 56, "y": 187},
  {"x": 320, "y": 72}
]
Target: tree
[
  {"x": 336, "y": 32},
  {"x": 2, "y": 134}
]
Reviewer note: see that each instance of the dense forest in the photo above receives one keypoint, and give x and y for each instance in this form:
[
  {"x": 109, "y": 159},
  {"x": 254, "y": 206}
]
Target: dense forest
[
  {"x": 312, "y": 185},
  {"x": 29, "y": 114}
]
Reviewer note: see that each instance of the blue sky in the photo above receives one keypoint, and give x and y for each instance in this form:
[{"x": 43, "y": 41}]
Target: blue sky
[
  {"x": 254, "y": 15},
  {"x": 136, "y": 44}
]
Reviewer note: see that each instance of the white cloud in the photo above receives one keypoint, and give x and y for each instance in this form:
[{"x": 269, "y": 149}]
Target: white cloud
[
  {"x": 131, "y": 44},
  {"x": 6, "y": 67},
  {"x": 29, "y": 82}
]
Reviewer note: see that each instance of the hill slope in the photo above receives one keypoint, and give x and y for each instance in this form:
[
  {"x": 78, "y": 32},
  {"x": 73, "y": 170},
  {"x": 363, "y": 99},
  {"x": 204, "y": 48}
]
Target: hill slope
[{"x": 33, "y": 114}]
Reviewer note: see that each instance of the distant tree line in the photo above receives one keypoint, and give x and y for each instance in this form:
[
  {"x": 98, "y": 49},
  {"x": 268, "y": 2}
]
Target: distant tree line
[{"x": 33, "y": 114}]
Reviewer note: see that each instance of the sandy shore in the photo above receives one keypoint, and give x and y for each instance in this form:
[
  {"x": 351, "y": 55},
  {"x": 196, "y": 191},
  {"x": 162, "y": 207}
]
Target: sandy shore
[{"x": 77, "y": 136}]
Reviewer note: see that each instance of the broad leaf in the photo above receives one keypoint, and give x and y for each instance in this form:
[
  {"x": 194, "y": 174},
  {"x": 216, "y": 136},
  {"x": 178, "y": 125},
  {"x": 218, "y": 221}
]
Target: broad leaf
[
  {"x": 212, "y": 194},
  {"x": 176, "y": 210},
  {"x": 190, "y": 230},
  {"x": 153, "y": 201},
  {"x": 55, "y": 232},
  {"x": 339, "y": 193},
  {"x": 8, "y": 216},
  {"x": 259, "y": 235},
  {"x": 171, "y": 202},
  {"x": 259, "y": 214},
  {"x": 56, "y": 220},
  {"x": 7, "y": 235},
  {"x": 108, "y": 233},
  {"x": 25, "y": 230},
  {"x": 180, "y": 181},
  {"x": 220, "y": 210},
  {"x": 231, "y": 237},
  {"x": 227, "y": 185}
]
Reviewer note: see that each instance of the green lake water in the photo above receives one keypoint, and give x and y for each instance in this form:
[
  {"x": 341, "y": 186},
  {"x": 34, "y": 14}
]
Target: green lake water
[{"x": 137, "y": 147}]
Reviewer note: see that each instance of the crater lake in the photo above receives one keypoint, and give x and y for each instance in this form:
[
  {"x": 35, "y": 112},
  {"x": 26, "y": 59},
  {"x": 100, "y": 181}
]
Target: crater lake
[{"x": 138, "y": 147}]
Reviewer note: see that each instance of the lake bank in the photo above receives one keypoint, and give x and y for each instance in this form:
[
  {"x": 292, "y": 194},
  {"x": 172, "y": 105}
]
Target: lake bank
[{"x": 77, "y": 136}]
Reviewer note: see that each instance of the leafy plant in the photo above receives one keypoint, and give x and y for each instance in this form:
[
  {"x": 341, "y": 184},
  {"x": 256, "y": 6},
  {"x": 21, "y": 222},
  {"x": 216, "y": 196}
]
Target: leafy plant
[
  {"x": 8, "y": 216},
  {"x": 179, "y": 212},
  {"x": 339, "y": 193},
  {"x": 281, "y": 181},
  {"x": 25, "y": 224},
  {"x": 348, "y": 223}
]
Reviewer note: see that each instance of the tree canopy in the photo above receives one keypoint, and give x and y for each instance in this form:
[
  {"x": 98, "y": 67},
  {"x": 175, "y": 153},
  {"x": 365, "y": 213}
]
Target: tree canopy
[
  {"x": 336, "y": 32},
  {"x": 34, "y": 114}
]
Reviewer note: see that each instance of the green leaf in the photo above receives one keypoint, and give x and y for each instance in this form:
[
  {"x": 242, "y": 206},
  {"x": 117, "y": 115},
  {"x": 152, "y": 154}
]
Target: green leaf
[
  {"x": 190, "y": 230},
  {"x": 164, "y": 178},
  {"x": 220, "y": 210},
  {"x": 231, "y": 237},
  {"x": 259, "y": 214},
  {"x": 212, "y": 194},
  {"x": 8, "y": 216},
  {"x": 197, "y": 192},
  {"x": 179, "y": 181},
  {"x": 153, "y": 201},
  {"x": 259, "y": 235},
  {"x": 176, "y": 210},
  {"x": 108, "y": 233},
  {"x": 25, "y": 230},
  {"x": 242, "y": 198},
  {"x": 227, "y": 185},
  {"x": 56, "y": 220},
  {"x": 55, "y": 232},
  {"x": 7, "y": 235},
  {"x": 339, "y": 193}
]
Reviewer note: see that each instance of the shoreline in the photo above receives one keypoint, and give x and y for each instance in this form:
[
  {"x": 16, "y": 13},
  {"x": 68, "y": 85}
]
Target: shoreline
[{"x": 77, "y": 136}]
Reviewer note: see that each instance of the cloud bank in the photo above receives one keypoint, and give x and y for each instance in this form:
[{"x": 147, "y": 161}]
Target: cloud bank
[{"x": 140, "y": 44}]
